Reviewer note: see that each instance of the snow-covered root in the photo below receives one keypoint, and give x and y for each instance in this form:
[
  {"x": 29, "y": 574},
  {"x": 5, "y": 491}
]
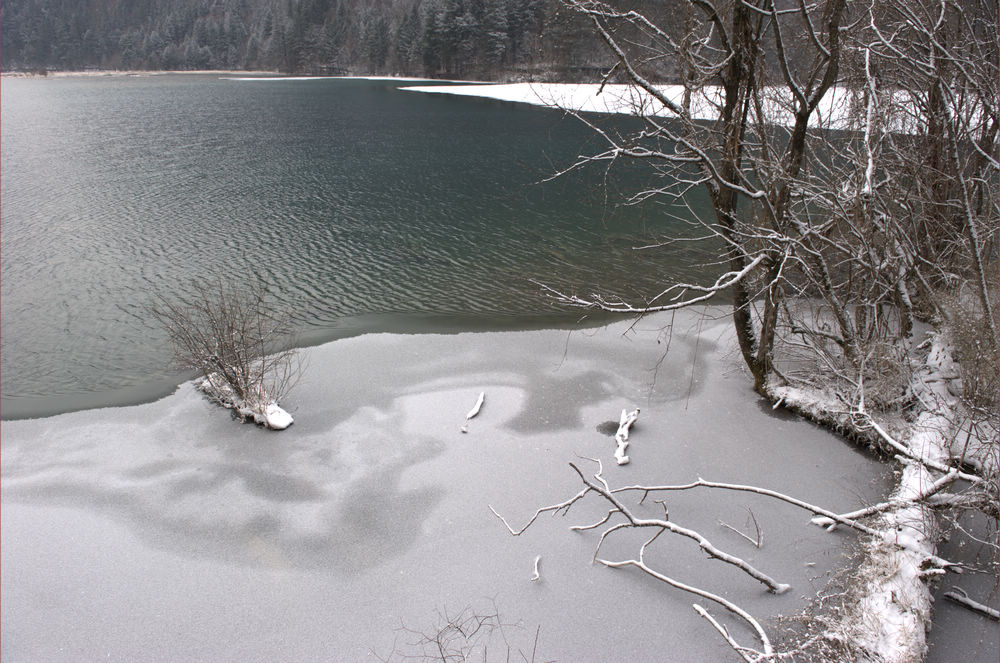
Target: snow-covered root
[
  {"x": 261, "y": 408},
  {"x": 621, "y": 437}
]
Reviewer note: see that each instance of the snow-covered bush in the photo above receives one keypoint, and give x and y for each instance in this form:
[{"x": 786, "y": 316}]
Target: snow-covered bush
[
  {"x": 975, "y": 354},
  {"x": 239, "y": 342}
]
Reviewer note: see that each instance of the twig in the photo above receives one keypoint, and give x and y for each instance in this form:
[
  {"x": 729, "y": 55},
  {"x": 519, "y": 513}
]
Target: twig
[
  {"x": 694, "y": 357},
  {"x": 756, "y": 542},
  {"x": 536, "y": 575},
  {"x": 555, "y": 507},
  {"x": 474, "y": 411}
]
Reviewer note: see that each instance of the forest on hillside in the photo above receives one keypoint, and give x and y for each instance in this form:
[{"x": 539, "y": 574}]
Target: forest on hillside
[{"x": 481, "y": 39}]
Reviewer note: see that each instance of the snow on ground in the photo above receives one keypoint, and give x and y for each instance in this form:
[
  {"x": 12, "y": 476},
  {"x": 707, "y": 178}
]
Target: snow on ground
[{"x": 832, "y": 113}]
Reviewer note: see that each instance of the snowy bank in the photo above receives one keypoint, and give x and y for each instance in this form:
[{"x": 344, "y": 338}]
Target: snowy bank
[{"x": 890, "y": 612}]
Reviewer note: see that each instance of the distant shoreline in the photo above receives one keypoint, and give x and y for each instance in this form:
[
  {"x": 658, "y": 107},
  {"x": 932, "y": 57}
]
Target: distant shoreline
[
  {"x": 142, "y": 73},
  {"x": 131, "y": 72}
]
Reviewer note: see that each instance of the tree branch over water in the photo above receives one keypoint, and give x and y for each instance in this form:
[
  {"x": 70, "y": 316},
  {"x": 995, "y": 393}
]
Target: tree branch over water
[{"x": 848, "y": 153}]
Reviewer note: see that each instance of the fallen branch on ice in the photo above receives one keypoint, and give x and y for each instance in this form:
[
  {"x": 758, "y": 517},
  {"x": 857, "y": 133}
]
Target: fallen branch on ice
[
  {"x": 621, "y": 437},
  {"x": 900, "y": 549},
  {"x": 474, "y": 411},
  {"x": 599, "y": 485},
  {"x": 748, "y": 655},
  {"x": 959, "y": 596},
  {"x": 825, "y": 514},
  {"x": 724, "y": 602}
]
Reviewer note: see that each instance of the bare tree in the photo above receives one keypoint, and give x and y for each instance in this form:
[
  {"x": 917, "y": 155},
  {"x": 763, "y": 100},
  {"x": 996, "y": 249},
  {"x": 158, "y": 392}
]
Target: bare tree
[
  {"x": 748, "y": 164},
  {"x": 849, "y": 155},
  {"x": 857, "y": 230},
  {"x": 240, "y": 343}
]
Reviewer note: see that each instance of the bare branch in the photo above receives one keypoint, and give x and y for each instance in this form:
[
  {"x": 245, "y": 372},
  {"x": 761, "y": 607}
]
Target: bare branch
[{"x": 667, "y": 525}]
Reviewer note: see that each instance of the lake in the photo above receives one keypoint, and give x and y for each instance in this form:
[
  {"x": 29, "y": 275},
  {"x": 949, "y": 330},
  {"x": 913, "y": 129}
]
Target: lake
[{"x": 363, "y": 207}]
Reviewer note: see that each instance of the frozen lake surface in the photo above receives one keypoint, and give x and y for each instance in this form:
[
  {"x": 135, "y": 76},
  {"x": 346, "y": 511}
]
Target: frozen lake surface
[{"x": 168, "y": 532}]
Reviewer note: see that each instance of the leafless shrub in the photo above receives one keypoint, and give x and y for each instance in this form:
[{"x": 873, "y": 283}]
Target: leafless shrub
[
  {"x": 467, "y": 637},
  {"x": 887, "y": 375},
  {"x": 975, "y": 354},
  {"x": 237, "y": 340}
]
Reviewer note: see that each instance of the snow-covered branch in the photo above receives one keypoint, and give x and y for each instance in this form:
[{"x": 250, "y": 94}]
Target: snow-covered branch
[
  {"x": 725, "y": 281},
  {"x": 621, "y": 436},
  {"x": 959, "y": 596}
]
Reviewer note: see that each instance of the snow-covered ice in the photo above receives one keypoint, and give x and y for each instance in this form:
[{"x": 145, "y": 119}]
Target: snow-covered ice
[{"x": 167, "y": 532}]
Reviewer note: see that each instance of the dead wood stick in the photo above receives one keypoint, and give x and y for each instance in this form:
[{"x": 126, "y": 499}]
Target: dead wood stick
[
  {"x": 474, "y": 411},
  {"x": 621, "y": 437}
]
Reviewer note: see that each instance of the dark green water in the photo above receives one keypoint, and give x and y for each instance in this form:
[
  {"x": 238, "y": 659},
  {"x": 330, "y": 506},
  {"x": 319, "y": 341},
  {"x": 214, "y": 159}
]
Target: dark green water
[{"x": 365, "y": 207}]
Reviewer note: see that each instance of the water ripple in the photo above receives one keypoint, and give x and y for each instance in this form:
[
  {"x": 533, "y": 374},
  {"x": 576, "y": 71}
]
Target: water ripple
[{"x": 347, "y": 201}]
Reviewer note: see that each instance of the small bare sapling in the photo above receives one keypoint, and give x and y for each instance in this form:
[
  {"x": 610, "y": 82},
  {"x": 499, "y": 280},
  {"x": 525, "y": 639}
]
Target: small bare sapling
[{"x": 239, "y": 342}]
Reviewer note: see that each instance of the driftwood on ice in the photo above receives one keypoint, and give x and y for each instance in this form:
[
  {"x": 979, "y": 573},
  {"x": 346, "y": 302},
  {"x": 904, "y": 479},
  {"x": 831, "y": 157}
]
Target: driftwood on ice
[
  {"x": 474, "y": 411},
  {"x": 621, "y": 437}
]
